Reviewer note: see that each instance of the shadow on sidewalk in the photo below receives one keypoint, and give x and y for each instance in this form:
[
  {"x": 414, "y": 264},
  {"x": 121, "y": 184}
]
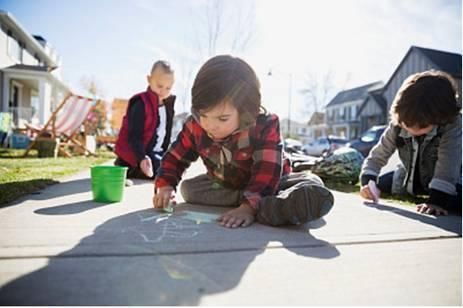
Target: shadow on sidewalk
[
  {"x": 47, "y": 189},
  {"x": 71, "y": 208},
  {"x": 444, "y": 222},
  {"x": 52, "y": 189},
  {"x": 151, "y": 258}
]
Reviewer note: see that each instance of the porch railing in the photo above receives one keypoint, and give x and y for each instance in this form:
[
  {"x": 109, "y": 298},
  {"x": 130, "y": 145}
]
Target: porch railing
[{"x": 21, "y": 115}]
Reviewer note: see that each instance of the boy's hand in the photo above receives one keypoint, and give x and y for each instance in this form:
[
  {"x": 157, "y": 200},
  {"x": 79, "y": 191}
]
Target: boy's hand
[
  {"x": 147, "y": 167},
  {"x": 242, "y": 216},
  {"x": 366, "y": 192},
  {"x": 163, "y": 196},
  {"x": 431, "y": 209}
]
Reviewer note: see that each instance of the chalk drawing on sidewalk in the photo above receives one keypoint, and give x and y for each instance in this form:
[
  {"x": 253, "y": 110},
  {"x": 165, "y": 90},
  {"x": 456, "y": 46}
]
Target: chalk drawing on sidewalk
[
  {"x": 156, "y": 228},
  {"x": 199, "y": 217}
]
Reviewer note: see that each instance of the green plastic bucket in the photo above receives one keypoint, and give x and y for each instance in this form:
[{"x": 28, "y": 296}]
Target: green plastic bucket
[{"x": 108, "y": 183}]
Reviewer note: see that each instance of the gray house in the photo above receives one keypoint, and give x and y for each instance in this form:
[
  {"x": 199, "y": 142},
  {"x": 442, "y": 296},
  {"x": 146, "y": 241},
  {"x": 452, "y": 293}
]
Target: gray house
[
  {"x": 30, "y": 79},
  {"x": 342, "y": 111},
  {"x": 375, "y": 109}
]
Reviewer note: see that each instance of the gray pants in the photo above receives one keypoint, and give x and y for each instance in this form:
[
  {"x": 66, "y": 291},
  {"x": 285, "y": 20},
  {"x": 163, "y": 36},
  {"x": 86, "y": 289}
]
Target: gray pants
[{"x": 203, "y": 190}]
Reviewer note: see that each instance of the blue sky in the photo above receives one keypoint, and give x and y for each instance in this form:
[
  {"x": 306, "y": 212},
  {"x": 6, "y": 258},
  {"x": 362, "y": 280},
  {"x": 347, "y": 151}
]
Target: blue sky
[{"x": 115, "y": 42}]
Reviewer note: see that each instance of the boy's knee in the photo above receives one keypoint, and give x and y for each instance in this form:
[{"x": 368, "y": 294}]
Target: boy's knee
[{"x": 185, "y": 189}]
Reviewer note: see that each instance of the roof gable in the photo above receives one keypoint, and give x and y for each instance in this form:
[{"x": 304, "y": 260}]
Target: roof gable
[
  {"x": 317, "y": 118},
  {"x": 446, "y": 61},
  {"x": 377, "y": 96},
  {"x": 354, "y": 94},
  {"x": 442, "y": 59}
]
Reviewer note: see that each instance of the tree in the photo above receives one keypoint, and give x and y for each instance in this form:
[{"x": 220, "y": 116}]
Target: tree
[
  {"x": 317, "y": 90},
  {"x": 97, "y": 119},
  {"x": 223, "y": 25}
]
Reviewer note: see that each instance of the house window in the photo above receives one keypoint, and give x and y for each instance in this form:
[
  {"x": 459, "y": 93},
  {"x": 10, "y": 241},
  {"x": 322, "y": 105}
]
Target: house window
[
  {"x": 14, "y": 49},
  {"x": 353, "y": 111},
  {"x": 341, "y": 113},
  {"x": 35, "y": 105},
  {"x": 329, "y": 115}
]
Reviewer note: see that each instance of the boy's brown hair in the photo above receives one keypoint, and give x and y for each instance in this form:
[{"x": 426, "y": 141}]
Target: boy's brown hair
[
  {"x": 226, "y": 78},
  {"x": 426, "y": 98}
]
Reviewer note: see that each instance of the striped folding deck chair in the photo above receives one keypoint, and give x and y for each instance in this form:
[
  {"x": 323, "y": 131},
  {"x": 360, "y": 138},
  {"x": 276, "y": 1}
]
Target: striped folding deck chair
[{"x": 64, "y": 123}]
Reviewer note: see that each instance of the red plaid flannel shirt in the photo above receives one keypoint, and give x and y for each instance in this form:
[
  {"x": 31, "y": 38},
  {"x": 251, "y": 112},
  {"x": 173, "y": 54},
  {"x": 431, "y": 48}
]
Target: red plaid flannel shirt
[{"x": 250, "y": 159}]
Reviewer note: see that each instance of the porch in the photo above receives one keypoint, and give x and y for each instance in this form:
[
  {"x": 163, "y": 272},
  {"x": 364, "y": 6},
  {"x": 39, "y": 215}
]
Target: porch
[{"x": 30, "y": 93}]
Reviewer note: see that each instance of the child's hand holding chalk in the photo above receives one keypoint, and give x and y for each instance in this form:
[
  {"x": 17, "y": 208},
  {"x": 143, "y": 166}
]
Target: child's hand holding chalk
[{"x": 374, "y": 191}]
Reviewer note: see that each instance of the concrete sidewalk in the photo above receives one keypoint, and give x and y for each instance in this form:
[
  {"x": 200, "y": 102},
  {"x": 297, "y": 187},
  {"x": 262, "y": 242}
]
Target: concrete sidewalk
[{"x": 61, "y": 248}]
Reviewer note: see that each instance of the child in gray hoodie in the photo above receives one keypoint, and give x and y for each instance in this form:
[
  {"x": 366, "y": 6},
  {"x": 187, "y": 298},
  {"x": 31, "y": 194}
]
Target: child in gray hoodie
[{"x": 425, "y": 128}]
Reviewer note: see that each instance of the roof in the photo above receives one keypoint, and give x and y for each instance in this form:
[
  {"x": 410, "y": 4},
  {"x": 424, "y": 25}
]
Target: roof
[
  {"x": 36, "y": 68},
  {"x": 8, "y": 19},
  {"x": 317, "y": 118},
  {"x": 359, "y": 93},
  {"x": 446, "y": 61},
  {"x": 377, "y": 95}
]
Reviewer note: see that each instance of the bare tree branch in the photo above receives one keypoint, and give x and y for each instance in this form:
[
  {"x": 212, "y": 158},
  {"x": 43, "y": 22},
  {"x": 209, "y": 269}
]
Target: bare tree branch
[
  {"x": 317, "y": 91},
  {"x": 226, "y": 27}
]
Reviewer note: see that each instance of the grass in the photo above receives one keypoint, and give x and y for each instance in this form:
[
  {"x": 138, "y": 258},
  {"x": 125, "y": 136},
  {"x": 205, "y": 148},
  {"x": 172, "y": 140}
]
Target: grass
[
  {"x": 20, "y": 176},
  {"x": 350, "y": 188}
]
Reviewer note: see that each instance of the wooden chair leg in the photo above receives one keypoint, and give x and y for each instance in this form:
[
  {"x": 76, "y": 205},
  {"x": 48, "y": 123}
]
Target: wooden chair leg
[{"x": 29, "y": 148}]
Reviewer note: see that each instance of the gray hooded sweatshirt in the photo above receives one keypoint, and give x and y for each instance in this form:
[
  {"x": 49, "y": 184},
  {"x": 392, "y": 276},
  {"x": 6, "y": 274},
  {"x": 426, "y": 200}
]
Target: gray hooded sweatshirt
[{"x": 439, "y": 156}]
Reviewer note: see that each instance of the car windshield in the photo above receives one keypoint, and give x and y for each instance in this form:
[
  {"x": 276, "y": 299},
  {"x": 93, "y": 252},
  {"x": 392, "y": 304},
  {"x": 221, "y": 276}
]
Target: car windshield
[{"x": 369, "y": 136}]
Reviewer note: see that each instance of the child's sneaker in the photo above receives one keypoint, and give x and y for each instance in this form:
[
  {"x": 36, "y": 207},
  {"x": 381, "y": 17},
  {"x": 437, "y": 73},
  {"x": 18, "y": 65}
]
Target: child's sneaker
[{"x": 298, "y": 204}]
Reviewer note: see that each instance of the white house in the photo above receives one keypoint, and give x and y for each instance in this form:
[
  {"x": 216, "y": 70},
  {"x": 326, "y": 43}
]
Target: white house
[
  {"x": 342, "y": 110},
  {"x": 30, "y": 80}
]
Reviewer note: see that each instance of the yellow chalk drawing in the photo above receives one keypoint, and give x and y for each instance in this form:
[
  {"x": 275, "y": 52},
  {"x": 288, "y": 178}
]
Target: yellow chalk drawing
[{"x": 199, "y": 217}]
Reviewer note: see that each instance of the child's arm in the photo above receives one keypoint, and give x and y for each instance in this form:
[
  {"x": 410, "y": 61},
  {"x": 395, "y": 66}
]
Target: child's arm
[
  {"x": 177, "y": 159},
  {"x": 447, "y": 171},
  {"x": 136, "y": 121},
  {"x": 267, "y": 161},
  {"x": 375, "y": 161},
  {"x": 379, "y": 155}
]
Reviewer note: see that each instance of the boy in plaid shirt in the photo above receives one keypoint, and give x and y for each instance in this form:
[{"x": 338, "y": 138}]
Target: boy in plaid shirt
[{"x": 240, "y": 145}]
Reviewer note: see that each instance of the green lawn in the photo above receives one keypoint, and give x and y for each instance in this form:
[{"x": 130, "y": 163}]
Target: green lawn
[
  {"x": 20, "y": 176},
  {"x": 349, "y": 188}
]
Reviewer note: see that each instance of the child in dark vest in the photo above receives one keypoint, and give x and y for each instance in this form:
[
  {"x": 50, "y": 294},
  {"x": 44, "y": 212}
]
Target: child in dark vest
[
  {"x": 425, "y": 129},
  {"x": 240, "y": 145},
  {"x": 146, "y": 127}
]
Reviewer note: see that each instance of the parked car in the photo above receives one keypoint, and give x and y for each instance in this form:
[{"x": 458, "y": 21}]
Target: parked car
[
  {"x": 324, "y": 145},
  {"x": 368, "y": 140},
  {"x": 292, "y": 145}
]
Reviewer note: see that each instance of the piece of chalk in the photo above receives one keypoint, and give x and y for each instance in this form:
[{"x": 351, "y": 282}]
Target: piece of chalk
[
  {"x": 169, "y": 208},
  {"x": 373, "y": 190}
]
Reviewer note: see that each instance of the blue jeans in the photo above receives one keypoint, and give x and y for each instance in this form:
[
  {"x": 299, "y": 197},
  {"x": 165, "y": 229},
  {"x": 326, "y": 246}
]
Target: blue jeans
[{"x": 454, "y": 204}]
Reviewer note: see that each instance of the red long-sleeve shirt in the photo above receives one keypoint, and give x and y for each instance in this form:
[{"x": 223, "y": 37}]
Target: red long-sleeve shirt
[{"x": 250, "y": 160}]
